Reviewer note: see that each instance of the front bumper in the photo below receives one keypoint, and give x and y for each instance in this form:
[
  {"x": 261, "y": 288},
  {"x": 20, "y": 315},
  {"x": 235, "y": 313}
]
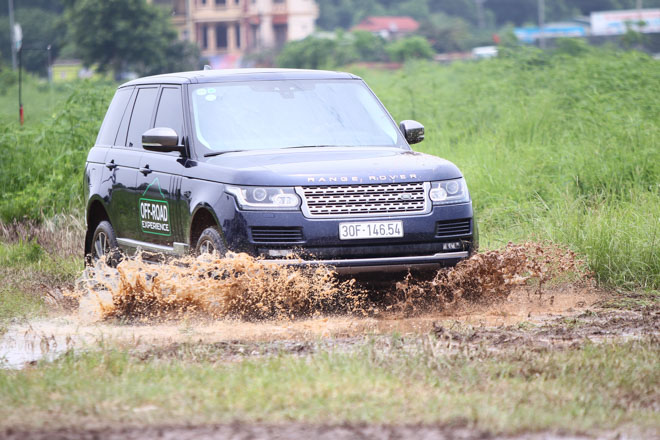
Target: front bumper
[
  {"x": 315, "y": 241},
  {"x": 392, "y": 264}
]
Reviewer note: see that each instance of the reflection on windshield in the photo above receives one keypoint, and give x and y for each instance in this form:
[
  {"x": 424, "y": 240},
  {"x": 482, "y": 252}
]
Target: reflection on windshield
[{"x": 278, "y": 114}]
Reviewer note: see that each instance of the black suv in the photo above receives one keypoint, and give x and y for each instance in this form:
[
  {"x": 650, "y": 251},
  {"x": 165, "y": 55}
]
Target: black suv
[{"x": 272, "y": 163}]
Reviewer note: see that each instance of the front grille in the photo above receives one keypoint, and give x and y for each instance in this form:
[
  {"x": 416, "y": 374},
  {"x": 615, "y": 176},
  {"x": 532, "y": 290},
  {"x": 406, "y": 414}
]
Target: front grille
[
  {"x": 365, "y": 200},
  {"x": 273, "y": 234},
  {"x": 451, "y": 228}
]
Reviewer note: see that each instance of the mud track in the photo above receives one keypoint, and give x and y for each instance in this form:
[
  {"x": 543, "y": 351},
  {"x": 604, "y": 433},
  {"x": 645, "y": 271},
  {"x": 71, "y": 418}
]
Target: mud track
[
  {"x": 566, "y": 316},
  {"x": 246, "y": 431}
]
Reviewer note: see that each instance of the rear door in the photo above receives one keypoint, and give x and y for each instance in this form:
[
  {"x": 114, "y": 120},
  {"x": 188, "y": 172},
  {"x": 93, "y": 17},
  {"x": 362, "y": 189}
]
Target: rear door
[
  {"x": 159, "y": 176},
  {"x": 124, "y": 161}
]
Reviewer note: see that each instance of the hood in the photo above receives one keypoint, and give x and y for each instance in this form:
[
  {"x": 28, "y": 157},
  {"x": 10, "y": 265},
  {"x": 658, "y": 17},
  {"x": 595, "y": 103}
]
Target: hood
[{"x": 324, "y": 166}]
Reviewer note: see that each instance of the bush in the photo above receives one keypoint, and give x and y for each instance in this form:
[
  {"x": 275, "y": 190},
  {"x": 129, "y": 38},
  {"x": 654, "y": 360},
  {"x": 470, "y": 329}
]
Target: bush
[{"x": 410, "y": 48}]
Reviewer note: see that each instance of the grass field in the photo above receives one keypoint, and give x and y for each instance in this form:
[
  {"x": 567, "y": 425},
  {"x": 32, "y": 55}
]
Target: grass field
[
  {"x": 554, "y": 146},
  {"x": 562, "y": 148},
  {"x": 595, "y": 387}
]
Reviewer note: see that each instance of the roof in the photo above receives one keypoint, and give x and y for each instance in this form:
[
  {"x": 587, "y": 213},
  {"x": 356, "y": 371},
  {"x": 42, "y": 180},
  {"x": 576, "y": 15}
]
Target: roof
[
  {"x": 232, "y": 75},
  {"x": 387, "y": 23}
]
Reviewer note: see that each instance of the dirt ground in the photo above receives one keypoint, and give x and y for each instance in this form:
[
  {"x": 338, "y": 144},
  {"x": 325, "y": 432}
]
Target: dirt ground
[
  {"x": 564, "y": 316},
  {"x": 501, "y": 320},
  {"x": 244, "y": 431}
]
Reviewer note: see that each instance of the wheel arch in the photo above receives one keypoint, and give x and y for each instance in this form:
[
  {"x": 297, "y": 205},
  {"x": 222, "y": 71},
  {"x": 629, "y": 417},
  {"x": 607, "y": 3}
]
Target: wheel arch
[
  {"x": 96, "y": 213},
  {"x": 203, "y": 217}
]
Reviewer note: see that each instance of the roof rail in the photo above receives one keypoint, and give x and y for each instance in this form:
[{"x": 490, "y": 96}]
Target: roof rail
[{"x": 207, "y": 67}]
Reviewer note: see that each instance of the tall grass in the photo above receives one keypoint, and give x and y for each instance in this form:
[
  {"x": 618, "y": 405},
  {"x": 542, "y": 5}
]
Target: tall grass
[
  {"x": 42, "y": 163},
  {"x": 553, "y": 146}
]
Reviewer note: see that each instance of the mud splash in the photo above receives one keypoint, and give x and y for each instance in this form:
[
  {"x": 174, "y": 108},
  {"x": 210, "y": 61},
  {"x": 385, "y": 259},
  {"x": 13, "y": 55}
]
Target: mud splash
[
  {"x": 244, "y": 288},
  {"x": 237, "y": 287}
]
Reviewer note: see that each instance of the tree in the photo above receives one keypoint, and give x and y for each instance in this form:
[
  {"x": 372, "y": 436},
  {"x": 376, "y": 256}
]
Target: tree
[
  {"x": 318, "y": 53},
  {"x": 447, "y": 34},
  {"x": 41, "y": 28},
  {"x": 46, "y": 5},
  {"x": 410, "y": 48},
  {"x": 369, "y": 47},
  {"x": 119, "y": 35}
]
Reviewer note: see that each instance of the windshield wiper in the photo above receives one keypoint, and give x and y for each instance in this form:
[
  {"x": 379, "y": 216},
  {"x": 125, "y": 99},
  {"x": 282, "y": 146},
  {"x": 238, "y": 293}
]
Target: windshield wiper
[{"x": 218, "y": 153}]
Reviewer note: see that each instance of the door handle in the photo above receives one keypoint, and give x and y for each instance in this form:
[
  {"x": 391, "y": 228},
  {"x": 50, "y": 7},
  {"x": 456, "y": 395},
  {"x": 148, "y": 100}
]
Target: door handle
[
  {"x": 145, "y": 170},
  {"x": 111, "y": 165}
]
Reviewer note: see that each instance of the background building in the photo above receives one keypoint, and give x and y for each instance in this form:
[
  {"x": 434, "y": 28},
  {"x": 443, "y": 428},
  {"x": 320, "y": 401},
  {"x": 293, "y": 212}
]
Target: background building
[{"x": 225, "y": 30}]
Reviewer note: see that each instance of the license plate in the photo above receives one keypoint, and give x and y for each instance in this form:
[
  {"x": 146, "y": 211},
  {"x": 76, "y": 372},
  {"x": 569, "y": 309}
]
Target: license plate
[{"x": 361, "y": 230}]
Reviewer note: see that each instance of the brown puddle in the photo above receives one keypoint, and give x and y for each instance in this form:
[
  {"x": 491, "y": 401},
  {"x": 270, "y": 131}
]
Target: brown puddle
[
  {"x": 520, "y": 307},
  {"x": 212, "y": 300}
]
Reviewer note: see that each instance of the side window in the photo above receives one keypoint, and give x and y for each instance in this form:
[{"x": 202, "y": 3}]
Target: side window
[
  {"x": 141, "y": 117},
  {"x": 113, "y": 117},
  {"x": 123, "y": 127},
  {"x": 170, "y": 110}
]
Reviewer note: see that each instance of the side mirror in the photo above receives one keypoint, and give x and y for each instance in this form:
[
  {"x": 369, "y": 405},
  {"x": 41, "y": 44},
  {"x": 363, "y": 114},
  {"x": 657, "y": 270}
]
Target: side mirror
[
  {"x": 413, "y": 131},
  {"x": 161, "y": 139}
]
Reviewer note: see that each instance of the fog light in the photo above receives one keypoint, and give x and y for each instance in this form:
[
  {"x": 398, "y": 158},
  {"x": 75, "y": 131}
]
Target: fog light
[
  {"x": 453, "y": 246},
  {"x": 279, "y": 252}
]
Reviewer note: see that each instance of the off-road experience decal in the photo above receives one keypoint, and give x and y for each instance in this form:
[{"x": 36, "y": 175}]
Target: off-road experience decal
[{"x": 155, "y": 214}]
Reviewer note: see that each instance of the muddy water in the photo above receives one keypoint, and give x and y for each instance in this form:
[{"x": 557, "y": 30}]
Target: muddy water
[
  {"x": 245, "y": 288},
  {"x": 210, "y": 299},
  {"x": 49, "y": 338},
  {"x": 23, "y": 345}
]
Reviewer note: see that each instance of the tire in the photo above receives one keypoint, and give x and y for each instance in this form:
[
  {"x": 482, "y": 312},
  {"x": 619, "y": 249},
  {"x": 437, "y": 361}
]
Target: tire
[
  {"x": 210, "y": 241},
  {"x": 104, "y": 243}
]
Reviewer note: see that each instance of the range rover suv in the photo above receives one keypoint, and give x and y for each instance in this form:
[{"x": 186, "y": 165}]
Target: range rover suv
[{"x": 272, "y": 162}]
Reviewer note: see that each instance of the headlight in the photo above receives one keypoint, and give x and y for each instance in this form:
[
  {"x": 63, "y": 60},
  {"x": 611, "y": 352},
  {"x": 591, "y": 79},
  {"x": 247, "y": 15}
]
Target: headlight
[
  {"x": 449, "y": 191},
  {"x": 264, "y": 197}
]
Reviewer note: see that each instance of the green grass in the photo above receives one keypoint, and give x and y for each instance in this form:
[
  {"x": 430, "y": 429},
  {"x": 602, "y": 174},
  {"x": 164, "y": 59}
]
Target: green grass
[
  {"x": 42, "y": 163},
  {"x": 552, "y": 146},
  {"x": 594, "y": 387},
  {"x": 40, "y": 100},
  {"x": 25, "y": 268}
]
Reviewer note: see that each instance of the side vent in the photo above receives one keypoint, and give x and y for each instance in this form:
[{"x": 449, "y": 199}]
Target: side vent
[{"x": 272, "y": 234}]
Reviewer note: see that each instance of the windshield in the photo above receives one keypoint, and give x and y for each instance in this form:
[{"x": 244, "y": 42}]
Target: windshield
[{"x": 262, "y": 115}]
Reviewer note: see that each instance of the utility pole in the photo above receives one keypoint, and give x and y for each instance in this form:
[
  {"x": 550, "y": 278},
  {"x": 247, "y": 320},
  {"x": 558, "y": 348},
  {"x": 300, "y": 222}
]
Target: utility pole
[
  {"x": 50, "y": 64},
  {"x": 541, "y": 11},
  {"x": 21, "y": 116},
  {"x": 11, "y": 31}
]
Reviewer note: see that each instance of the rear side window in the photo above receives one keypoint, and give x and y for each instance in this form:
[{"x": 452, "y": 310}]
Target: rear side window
[
  {"x": 170, "y": 110},
  {"x": 141, "y": 117},
  {"x": 113, "y": 117}
]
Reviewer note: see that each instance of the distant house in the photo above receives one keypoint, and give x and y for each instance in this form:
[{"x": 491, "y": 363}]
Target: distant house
[
  {"x": 69, "y": 70},
  {"x": 226, "y": 30},
  {"x": 388, "y": 27}
]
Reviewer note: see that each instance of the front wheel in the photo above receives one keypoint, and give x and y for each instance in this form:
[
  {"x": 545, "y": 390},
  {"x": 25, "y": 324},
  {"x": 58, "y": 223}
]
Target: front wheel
[
  {"x": 104, "y": 244},
  {"x": 210, "y": 241}
]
